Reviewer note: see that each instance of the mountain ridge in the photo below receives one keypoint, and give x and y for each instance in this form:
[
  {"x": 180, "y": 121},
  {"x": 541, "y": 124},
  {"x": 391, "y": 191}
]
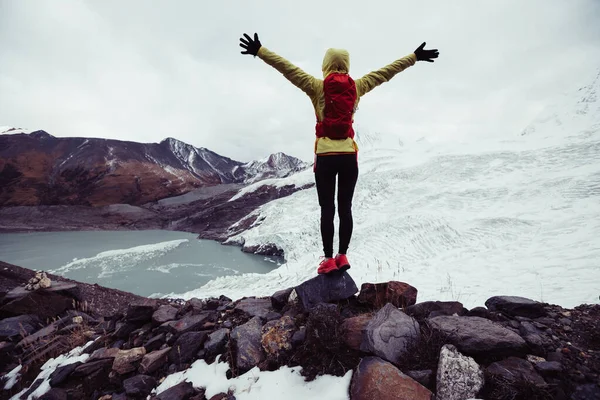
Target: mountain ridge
[{"x": 37, "y": 168}]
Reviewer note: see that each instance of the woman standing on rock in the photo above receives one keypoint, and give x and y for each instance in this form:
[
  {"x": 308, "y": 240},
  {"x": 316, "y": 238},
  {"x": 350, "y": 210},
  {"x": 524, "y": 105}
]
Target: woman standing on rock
[{"x": 335, "y": 100}]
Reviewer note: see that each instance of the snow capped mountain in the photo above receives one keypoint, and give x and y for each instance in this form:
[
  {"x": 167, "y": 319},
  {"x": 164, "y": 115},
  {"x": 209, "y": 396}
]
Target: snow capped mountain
[
  {"x": 278, "y": 165},
  {"x": 93, "y": 171},
  {"x": 200, "y": 160},
  {"x": 461, "y": 221}
]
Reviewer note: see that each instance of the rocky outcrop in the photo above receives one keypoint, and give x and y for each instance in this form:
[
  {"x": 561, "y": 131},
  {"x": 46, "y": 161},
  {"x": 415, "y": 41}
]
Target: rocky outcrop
[
  {"x": 412, "y": 352},
  {"x": 44, "y": 302}
]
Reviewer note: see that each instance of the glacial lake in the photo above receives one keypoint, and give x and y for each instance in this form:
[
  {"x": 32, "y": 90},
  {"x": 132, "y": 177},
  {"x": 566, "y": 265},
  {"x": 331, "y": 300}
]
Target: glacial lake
[{"x": 147, "y": 263}]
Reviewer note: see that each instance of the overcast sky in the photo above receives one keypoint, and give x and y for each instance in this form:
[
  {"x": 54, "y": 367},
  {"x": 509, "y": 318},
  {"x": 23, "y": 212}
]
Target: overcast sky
[{"x": 143, "y": 71}]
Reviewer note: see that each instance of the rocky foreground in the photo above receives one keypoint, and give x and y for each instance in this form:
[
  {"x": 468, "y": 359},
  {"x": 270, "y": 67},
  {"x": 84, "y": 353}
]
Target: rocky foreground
[{"x": 396, "y": 348}]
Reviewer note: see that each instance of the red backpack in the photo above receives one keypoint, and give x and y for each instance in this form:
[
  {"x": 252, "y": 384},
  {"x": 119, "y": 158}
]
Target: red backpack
[{"x": 340, "y": 100}]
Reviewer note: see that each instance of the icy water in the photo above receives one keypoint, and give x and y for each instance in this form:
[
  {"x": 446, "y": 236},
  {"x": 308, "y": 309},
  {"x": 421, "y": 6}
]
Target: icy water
[{"x": 142, "y": 262}]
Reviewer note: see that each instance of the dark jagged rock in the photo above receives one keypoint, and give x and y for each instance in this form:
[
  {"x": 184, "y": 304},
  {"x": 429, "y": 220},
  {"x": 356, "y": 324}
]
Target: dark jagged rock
[
  {"x": 247, "y": 339},
  {"x": 376, "y": 379},
  {"x": 91, "y": 367},
  {"x": 325, "y": 289},
  {"x": 426, "y": 308},
  {"x": 139, "y": 385},
  {"x": 140, "y": 312},
  {"x": 45, "y": 303},
  {"x": 216, "y": 342},
  {"x": 181, "y": 391},
  {"x": 516, "y": 306},
  {"x": 155, "y": 343},
  {"x": 475, "y": 336},
  {"x": 255, "y": 307},
  {"x": 388, "y": 334},
  {"x": 104, "y": 353},
  {"x": 186, "y": 346},
  {"x": 154, "y": 361},
  {"x": 377, "y": 295},
  {"x": 189, "y": 323},
  {"x": 165, "y": 313},
  {"x": 280, "y": 298},
  {"x": 13, "y": 327},
  {"x": 62, "y": 373}
]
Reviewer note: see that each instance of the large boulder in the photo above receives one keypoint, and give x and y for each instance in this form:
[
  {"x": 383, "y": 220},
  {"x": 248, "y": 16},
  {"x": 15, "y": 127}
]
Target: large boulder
[
  {"x": 458, "y": 377},
  {"x": 475, "y": 336},
  {"x": 165, "y": 313},
  {"x": 247, "y": 339},
  {"x": 516, "y": 306},
  {"x": 389, "y": 333},
  {"x": 255, "y": 307},
  {"x": 187, "y": 345},
  {"x": 154, "y": 360},
  {"x": 325, "y": 288},
  {"x": 377, "y": 295},
  {"x": 45, "y": 302},
  {"x": 376, "y": 379}
]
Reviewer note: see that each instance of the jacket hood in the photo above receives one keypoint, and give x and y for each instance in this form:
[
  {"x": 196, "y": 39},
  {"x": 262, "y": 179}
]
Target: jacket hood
[{"x": 336, "y": 60}]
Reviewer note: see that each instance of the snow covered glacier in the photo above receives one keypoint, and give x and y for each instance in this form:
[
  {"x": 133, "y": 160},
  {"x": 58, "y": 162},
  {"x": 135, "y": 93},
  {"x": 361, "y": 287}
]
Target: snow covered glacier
[{"x": 517, "y": 215}]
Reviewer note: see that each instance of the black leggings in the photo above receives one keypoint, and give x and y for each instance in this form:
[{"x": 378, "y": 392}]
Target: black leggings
[{"x": 326, "y": 169}]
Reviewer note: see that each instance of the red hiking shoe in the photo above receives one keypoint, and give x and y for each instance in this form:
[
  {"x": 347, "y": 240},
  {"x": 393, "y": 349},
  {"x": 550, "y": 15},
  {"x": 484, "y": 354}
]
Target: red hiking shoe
[
  {"x": 342, "y": 262},
  {"x": 327, "y": 265}
]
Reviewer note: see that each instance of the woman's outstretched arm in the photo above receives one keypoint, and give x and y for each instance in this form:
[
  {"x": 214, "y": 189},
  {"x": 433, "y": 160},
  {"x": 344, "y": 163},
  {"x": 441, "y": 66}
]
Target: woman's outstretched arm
[
  {"x": 294, "y": 74},
  {"x": 373, "y": 79}
]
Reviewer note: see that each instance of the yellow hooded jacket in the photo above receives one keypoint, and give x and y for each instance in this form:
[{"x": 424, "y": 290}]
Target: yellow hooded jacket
[{"x": 335, "y": 60}]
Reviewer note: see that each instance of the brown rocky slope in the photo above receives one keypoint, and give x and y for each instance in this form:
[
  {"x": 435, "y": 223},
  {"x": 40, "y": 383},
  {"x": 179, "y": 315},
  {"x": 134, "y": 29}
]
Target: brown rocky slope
[
  {"x": 40, "y": 169},
  {"x": 396, "y": 347}
]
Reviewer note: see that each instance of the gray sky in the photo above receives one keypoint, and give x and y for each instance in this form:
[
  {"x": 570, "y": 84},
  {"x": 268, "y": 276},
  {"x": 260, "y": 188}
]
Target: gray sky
[{"x": 143, "y": 71}]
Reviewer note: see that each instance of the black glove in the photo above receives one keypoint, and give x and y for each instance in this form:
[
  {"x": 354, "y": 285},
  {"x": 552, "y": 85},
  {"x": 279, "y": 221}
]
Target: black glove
[
  {"x": 250, "y": 45},
  {"x": 426, "y": 55}
]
